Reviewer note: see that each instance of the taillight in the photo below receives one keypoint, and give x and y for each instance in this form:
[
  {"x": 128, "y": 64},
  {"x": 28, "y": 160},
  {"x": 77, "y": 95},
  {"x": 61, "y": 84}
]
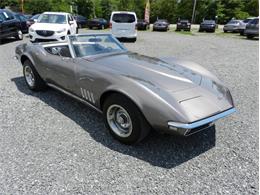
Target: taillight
[{"x": 110, "y": 25}]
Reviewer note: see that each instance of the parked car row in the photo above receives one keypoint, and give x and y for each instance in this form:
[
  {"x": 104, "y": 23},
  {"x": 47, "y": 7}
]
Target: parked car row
[{"x": 248, "y": 27}]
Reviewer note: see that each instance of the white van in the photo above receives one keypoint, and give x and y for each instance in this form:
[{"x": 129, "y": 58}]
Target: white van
[{"x": 123, "y": 24}]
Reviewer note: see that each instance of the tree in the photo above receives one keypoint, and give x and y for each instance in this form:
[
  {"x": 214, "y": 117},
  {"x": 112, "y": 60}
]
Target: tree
[
  {"x": 106, "y": 8},
  {"x": 85, "y": 7},
  {"x": 37, "y": 6}
]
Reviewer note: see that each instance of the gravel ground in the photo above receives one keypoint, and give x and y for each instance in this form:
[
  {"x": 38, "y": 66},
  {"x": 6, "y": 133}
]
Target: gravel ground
[{"x": 51, "y": 144}]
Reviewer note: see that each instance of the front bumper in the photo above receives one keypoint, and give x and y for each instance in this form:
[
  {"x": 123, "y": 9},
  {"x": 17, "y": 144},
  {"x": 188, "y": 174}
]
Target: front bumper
[
  {"x": 56, "y": 36},
  {"x": 191, "y": 128}
]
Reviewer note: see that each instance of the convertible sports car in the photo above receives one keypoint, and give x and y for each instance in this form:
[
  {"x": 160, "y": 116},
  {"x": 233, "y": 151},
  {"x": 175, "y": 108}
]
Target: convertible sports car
[{"x": 135, "y": 93}]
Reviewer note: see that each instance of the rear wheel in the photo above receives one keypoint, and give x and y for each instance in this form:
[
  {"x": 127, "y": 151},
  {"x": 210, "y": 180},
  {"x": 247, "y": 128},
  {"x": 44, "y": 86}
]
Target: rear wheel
[
  {"x": 250, "y": 36},
  {"x": 19, "y": 35},
  {"x": 32, "y": 78},
  {"x": 225, "y": 31},
  {"x": 124, "y": 120}
]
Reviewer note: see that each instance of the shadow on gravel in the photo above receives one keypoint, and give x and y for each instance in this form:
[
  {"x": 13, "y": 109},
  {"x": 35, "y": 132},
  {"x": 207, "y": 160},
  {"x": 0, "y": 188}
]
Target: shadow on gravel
[
  {"x": 7, "y": 40},
  {"x": 164, "y": 151}
]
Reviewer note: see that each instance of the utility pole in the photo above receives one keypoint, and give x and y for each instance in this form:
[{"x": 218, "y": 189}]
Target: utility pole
[
  {"x": 193, "y": 12},
  {"x": 22, "y": 7}
]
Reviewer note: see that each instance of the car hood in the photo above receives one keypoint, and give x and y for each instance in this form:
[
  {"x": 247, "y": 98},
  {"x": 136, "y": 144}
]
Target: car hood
[
  {"x": 168, "y": 76},
  {"x": 186, "y": 83},
  {"x": 48, "y": 26}
]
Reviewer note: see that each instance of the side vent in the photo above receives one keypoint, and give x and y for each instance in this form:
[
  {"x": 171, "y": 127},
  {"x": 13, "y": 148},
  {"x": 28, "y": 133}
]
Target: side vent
[{"x": 87, "y": 95}]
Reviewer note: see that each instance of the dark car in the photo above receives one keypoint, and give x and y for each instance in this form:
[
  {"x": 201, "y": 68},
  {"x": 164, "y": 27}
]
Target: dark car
[
  {"x": 161, "y": 25},
  {"x": 23, "y": 22},
  {"x": 183, "y": 25},
  {"x": 142, "y": 24},
  {"x": 208, "y": 26},
  {"x": 9, "y": 25},
  {"x": 81, "y": 21},
  {"x": 252, "y": 29},
  {"x": 99, "y": 23},
  {"x": 32, "y": 20}
]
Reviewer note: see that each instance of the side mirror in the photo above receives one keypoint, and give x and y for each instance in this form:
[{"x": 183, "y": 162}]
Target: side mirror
[{"x": 71, "y": 22}]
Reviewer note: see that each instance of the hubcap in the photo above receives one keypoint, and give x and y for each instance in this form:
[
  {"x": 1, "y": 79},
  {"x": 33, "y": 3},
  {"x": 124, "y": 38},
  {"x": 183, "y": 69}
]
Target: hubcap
[
  {"x": 29, "y": 76},
  {"x": 20, "y": 34},
  {"x": 119, "y": 120}
]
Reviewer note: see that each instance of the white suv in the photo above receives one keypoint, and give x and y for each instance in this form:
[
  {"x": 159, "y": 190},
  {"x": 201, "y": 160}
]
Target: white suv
[
  {"x": 53, "y": 26},
  {"x": 123, "y": 24}
]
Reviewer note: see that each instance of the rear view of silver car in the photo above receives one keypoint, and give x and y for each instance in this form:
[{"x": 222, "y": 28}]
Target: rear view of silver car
[
  {"x": 123, "y": 25},
  {"x": 232, "y": 26},
  {"x": 252, "y": 29}
]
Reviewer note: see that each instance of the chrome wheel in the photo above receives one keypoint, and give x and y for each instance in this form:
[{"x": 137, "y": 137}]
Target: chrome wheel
[
  {"x": 29, "y": 76},
  {"x": 119, "y": 120},
  {"x": 20, "y": 34}
]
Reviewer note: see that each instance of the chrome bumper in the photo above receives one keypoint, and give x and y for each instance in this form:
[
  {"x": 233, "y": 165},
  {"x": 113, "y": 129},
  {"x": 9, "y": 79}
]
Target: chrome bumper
[{"x": 187, "y": 128}]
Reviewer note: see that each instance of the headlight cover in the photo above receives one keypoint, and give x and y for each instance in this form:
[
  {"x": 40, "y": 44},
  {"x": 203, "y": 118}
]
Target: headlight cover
[{"x": 62, "y": 30}]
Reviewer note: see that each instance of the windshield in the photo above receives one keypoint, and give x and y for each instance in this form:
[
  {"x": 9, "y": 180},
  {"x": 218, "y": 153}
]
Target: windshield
[
  {"x": 88, "y": 45},
  {"x": 209, "y": 22},
  {"x": 52, "y": 18},
  {"x": 35, "y": 16},
  {"x": 123, "y": 18},
  {"x": 233, "y": 22}
]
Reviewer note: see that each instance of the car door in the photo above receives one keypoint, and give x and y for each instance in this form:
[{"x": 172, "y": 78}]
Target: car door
[
  {"x": 60, "y": 68},
  {"x": 11, "y": 23}
]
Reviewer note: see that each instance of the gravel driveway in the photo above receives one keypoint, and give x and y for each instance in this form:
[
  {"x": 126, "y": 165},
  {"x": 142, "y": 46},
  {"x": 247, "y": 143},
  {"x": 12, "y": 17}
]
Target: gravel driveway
[{"x": 51, "y": 144}]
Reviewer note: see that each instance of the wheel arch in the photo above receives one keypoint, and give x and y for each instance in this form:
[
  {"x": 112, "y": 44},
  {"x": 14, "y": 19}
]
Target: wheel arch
[{"x": 108, "y": 93}]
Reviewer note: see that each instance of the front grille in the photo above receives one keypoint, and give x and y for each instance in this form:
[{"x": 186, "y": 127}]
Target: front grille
[
  {"x": 45, "y": 33},
  {"x": 45, "y": 40}
]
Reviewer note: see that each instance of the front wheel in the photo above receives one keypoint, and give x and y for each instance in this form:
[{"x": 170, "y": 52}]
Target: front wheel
[
  {"x": 19, "y": 35},
  {"x": 124, "y": 120},
  {"x": 32, "y": 78}
]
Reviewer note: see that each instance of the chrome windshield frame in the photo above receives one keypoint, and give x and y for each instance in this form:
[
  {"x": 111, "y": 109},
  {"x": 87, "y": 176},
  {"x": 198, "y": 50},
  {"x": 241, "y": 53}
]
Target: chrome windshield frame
[{"x": 73, "y": 54}]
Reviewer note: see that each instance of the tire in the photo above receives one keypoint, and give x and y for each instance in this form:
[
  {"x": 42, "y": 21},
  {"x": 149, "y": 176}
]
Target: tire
[
  {"x": 37, "y": 83},
  {"x": 133, "y": 40},
  {"x": 200, "y": 30},
  {"x": 242, "y": 33},
  {"x": 225, "y": 31},
  {"x": 250, "y": 36},
  {"x": 77, "y": 30},
  {"x": 117, "y": 105},
  {"x": 19, "y": 35},
  {"x": 68, "y": 33}
]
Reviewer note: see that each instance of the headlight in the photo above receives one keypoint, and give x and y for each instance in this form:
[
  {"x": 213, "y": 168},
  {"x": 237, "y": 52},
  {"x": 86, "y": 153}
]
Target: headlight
[
  {"x": 62, "y": 30},
  {"x": 31, "y": 30}
]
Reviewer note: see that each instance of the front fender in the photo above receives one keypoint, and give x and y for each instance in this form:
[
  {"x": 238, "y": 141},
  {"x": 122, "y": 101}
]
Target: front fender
[{"x": 157, "y": 105}]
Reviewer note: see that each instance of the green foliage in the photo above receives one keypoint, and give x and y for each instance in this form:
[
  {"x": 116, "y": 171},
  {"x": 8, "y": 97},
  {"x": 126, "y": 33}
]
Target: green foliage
[{"x": 163, "y": 9}]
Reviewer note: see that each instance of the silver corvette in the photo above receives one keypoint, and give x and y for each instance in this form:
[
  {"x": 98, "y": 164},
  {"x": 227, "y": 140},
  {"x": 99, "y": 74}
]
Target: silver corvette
[{"x": 135, "y": 93}]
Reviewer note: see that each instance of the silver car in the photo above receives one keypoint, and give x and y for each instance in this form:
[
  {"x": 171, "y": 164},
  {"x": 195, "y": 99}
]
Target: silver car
[
  {"x": 242, "y": 25},
  {"x": 135, "y": 93},
  {"x": 232, "y": 26}
]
